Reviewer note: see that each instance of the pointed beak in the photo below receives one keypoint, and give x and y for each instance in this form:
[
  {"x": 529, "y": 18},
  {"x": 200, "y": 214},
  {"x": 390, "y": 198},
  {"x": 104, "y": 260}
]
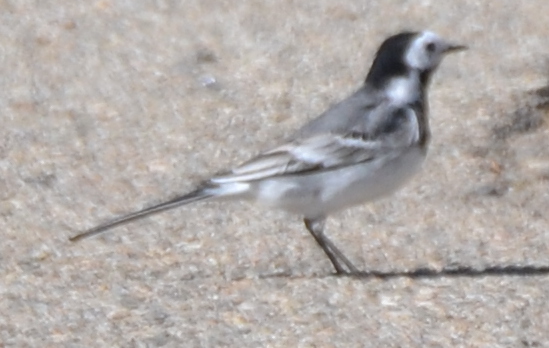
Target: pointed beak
[{"x": 455, "y": 48}]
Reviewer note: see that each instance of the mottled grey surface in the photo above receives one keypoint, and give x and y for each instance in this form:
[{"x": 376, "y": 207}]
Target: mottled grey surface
[{"x": 108, "y": 106}]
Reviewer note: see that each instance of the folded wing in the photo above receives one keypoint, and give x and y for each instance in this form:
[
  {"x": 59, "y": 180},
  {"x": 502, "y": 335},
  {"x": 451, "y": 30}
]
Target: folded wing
[{"x": 326, "y": 151}]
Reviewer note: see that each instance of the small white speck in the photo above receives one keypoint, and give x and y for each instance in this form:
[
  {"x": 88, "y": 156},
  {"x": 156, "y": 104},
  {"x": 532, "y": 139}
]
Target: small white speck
[{"x": 208, "y": 81}]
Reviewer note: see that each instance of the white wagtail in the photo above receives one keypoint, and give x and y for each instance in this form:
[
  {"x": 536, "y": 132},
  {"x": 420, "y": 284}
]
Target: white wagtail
[{"x": 362, "y": 148}]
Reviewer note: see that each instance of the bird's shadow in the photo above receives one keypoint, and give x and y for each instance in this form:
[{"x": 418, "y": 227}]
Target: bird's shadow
[
  {"x": 427, "y": 273},
  {"x": 462, "y": 271}
]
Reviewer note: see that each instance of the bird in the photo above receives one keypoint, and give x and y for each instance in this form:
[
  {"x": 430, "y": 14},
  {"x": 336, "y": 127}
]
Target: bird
[{"x": 361, "y": 149}]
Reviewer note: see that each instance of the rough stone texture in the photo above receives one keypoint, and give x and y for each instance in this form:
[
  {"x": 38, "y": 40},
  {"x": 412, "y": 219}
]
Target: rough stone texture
[{"x": 108, "y": 106}]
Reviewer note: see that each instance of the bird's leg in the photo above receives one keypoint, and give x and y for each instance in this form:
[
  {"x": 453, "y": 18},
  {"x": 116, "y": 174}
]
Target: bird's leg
[{"x": 316, "y": 228}]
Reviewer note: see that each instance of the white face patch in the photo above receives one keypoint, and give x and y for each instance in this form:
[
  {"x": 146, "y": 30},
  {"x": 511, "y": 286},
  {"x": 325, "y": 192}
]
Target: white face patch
[{"x": 418, "y": 55}]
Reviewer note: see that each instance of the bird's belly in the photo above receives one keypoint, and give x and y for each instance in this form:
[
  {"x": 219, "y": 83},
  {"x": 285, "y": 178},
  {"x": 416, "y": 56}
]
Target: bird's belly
[
  {"x": 316, "y": 195},
  {"x": 372, "y": 181}
]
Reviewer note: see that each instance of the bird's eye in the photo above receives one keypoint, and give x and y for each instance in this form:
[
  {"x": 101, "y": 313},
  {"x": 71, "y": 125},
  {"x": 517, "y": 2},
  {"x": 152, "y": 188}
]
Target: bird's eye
[{"x": 430, "y": 47}]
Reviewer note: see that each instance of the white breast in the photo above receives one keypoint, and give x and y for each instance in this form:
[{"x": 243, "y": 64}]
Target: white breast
[{"x": 403, "y": 90}]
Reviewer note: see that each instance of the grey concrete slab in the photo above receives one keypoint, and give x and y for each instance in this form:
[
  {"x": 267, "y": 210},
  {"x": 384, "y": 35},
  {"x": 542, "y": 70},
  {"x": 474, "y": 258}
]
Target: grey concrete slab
[{"x": 108, "y": 106}]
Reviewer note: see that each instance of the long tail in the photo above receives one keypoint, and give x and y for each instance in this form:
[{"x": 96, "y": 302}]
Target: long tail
[{"x": 194, "y": 196}]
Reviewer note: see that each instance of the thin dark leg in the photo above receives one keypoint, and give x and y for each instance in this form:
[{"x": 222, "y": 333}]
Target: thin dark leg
[{"x": 316, "y": 227}]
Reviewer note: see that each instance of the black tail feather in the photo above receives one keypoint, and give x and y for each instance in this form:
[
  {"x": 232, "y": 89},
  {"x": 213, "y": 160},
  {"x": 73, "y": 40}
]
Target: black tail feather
[{"x": 194, "y": 196}]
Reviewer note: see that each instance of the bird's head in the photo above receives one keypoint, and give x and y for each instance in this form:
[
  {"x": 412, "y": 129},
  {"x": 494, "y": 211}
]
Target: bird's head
[{"x": 403, "y": 53}]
